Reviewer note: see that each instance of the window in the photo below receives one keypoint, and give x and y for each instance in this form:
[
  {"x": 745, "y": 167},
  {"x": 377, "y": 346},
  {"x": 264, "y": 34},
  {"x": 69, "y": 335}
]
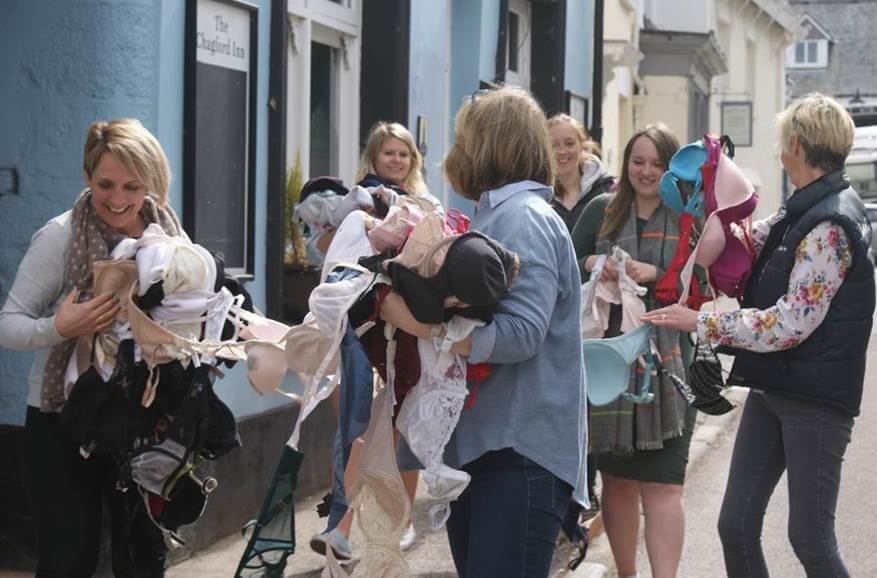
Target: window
[
  {"x": 808, "y": 54},
  {"x": 518, "y": 43},
  {"x": 323, "y": 148},
  {"x": 323, "y": 97},
  {"x": 513, "y": 52}
]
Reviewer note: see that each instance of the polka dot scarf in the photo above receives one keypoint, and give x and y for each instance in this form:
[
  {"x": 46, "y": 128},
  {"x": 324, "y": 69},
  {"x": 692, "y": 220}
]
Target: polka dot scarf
[{"x": 91, "y": 241}]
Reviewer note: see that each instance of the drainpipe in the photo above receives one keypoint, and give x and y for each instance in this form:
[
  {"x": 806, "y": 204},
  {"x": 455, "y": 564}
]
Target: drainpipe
[{"x": 597, "y": 81}]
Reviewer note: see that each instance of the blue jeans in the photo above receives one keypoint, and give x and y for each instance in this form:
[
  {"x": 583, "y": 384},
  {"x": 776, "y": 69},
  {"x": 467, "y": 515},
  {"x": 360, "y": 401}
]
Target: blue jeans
[
  {"x": 506, "y": 521},
  {"x": 806, "y": 439}
]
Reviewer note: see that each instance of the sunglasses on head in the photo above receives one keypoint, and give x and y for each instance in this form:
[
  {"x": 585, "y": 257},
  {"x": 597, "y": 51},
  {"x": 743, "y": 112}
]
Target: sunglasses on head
[{"x": 471, "y": 98}]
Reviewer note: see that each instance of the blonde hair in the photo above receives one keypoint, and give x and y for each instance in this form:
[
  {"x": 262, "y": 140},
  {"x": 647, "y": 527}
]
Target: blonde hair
[
  {"x": 618, "y": 210},
  {"x": 822, "y": 126},
  {"x": 581, "y": 135},
  {"x": 579, "y": 128},
  {"x": 501, "y": 137},
  {"x": 133, "y": 146},
  {"x": 377, "y": 136}
]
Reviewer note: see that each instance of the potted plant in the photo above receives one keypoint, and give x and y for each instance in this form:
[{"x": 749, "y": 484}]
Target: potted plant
[{"x": 299, "y": 276}]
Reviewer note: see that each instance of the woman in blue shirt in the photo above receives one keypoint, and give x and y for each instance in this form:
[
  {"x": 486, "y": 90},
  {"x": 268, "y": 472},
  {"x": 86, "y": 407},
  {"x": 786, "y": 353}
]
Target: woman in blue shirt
[{"x": 524, "y": 440}]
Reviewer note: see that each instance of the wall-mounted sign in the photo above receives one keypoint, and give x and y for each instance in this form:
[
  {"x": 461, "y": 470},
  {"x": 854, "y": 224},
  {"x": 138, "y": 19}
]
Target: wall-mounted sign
[
  {"x": 219, "y": 136},
  {"x": 737, "y": 122}
]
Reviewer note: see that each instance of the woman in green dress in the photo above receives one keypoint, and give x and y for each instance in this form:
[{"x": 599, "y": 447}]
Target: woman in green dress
[{"x": 642, "y": 449}]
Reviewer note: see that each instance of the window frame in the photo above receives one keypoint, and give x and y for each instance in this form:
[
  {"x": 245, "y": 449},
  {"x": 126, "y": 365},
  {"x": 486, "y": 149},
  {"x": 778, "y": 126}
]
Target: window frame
[
  {"x": 819, "y": 45},
  {"x": 522, "y": 9}
]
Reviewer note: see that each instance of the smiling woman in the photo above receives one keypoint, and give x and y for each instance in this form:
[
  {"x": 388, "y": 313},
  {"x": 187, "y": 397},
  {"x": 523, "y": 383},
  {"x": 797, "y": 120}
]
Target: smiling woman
[
  {"x": 580, "y": 175},
  {"x": 51, "y": 305},
  {"x": 641, "y": 450}
]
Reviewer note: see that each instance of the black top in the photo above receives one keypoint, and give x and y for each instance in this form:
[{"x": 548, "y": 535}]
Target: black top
[{"x": 828, "y": 366}]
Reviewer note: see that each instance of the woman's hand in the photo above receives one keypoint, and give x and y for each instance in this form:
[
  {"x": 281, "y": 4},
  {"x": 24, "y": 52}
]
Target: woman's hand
[
  {"x": 642, "y": 272},
  {"x": 387, "y": 195},
  {"x": 395, "y": 311},
  {"x": 673, "y": 317},
  {"x": 93, "y": 316},
  {"x": 609, "y": 273}
]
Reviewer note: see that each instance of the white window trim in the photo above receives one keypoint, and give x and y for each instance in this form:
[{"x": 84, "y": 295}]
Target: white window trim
[
  {"x": 525, "y": 50},
  {"x": 821, "y": 54},
  {"x": 318, "y": 21},
  {"x": 346, "y": 16}
]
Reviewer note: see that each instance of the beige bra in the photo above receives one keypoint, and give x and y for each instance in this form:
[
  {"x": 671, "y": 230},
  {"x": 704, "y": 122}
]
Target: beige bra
[{"x": 379, "y": 498}]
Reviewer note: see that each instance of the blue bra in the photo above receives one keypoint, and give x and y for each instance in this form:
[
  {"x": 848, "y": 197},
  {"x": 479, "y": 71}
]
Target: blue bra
[
  {"x": 608, "y": 365},
  {"x": 685, "y": 166}
]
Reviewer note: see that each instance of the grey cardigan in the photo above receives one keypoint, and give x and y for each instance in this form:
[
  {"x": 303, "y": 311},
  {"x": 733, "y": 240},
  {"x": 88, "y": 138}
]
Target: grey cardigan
[{"x": 27, "y": 320}]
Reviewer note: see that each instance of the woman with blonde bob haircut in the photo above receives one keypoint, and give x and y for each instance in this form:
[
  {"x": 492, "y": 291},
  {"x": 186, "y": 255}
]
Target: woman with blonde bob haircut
[
  {"x": 135, "y": 147},
  {"x": 49, "y": 307},
  {"x": 800, "y": 341},
  {"x": 523, "y": 440}
]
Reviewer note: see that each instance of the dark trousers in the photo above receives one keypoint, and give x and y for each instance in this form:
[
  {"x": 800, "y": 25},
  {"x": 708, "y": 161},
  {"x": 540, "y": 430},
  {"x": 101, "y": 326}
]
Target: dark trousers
[
  {"x": 67, "y": 494},
  {"x": 806, "y": 439},
  {"x": 506, "y": 521}
]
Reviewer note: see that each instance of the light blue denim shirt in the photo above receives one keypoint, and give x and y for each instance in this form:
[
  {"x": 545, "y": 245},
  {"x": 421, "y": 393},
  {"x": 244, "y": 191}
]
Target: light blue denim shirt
[{"x": 534, "y": 400}]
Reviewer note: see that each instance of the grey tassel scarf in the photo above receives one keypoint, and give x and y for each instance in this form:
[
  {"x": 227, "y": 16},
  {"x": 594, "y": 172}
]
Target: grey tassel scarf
[
  {"x": 622, "y": 427},
  {"x": 92, "y": 240}
]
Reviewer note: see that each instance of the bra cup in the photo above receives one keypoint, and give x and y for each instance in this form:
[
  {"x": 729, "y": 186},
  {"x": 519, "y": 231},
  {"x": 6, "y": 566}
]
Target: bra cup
[
  {"x": 265, "y": 329},
  {"x": 118, "y": 277},
  {"x": 711, "y": 243},
  {"x": 155, "y": 341},
  {"x": 732, "y": 268},
  {"x": 739, "y": 212},
  {"x": 266, "y": 367},
  {"x": 608, "y": 363},
  {"x": 186, "y": 271},
  {"x": 732, "y": 188},
  {"x": 669, "y": 190},
  {"x": 687, "y": 161}
]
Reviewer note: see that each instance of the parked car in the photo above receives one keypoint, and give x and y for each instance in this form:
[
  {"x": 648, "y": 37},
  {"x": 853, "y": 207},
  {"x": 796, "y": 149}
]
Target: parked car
[{"x": 871, "y": 208}]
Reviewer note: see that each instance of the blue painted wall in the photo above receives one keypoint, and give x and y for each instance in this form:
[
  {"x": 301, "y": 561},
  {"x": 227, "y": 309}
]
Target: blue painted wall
[
  {"x": 66, "y": 63},
  {"x": 429, "y": 74},
  {"x": 474, "y": 30},
  {"x": 578, "y": 68}
]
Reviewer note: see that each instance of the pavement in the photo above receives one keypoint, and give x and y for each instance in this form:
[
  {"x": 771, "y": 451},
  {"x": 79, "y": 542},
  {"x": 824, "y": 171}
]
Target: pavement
[
  {"x": 707, "y": 473},
  {"x": 430, "y": 556},
  {"x": 856, "y": 522}
]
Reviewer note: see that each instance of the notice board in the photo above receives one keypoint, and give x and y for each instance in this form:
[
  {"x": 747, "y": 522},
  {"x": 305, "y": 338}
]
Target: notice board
[{"x": 219, "y": 128}]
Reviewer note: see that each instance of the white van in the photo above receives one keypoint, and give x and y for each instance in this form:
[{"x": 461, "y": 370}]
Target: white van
[{"x": 861, "y": 165}]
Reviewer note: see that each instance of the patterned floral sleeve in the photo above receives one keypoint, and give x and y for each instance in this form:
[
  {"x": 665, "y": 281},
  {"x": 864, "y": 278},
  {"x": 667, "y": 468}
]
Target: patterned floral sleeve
[{"x": 822, "y": 260}]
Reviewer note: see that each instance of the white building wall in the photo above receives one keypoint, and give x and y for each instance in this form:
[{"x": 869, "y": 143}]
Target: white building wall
[
  {"x": 753, "y": 36},
  {"x": 667, "y": 101},
  {"x": 680, "y": 15},
  {"x": 622, "y": 19},
  {"x": 755, "y": 49}
]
